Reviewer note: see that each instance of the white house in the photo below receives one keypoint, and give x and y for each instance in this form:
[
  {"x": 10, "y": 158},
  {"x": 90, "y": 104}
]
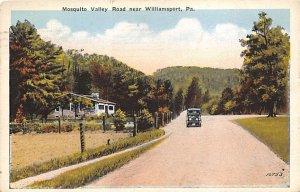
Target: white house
[{"x": 99, "y": 106}]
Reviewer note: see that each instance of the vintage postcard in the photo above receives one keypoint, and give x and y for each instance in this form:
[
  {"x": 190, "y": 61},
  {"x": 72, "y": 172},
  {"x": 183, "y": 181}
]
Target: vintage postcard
[{"x": 150, "y": 95}]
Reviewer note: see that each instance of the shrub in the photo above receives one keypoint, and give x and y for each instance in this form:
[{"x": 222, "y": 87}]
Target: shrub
[
  {"x": 51, "y": 127},
  {"x": 35, "y": 169},
  {"x": 145, "y": 120},
  {"x": 119, "y": 120},
  {"x": 20, "y": 117},
  {"x": 15, "y": 128},
  {"x": 94, "y": 117},
  {"x": 93, "y": 126}
]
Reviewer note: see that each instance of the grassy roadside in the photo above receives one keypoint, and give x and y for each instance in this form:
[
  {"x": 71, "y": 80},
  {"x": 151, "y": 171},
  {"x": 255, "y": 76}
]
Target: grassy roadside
[
  {"x": 86, "y": 174},
  {"x": 274, "y": 132},
  {"x": 32, "y": 170}
]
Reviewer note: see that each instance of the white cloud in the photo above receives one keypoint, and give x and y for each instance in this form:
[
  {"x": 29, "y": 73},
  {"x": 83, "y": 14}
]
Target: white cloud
[
  {"x": 187, "y": 30},
  {"x": 127, "y": 31},
  {"x": 135, "y": 44},
  {"x": 80, "y": 36},
  {"x": 55, "y": 30}
]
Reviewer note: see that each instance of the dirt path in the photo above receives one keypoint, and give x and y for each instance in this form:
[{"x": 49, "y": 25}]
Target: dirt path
[{"x": 219, "y": 153}]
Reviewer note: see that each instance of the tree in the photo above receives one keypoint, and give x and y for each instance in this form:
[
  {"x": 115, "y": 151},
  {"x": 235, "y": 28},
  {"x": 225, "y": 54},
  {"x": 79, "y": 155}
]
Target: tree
[
  {"x": 194, "y": 94},
  {"x": 102, "y": 78},
  {"x": 20, "y": 118},
  {"x": 265, "y": 67},
  {"x": 178, "y": 102},
  {"x": 35, "y": 75},
  {"x": 119, "y": 120},
  {"x": 227, "y": 96},
  {"x": 212, "y": 106},
  {"x": 120, "y": 87},
  {"x": 160, "y": 97},
  {"x": 83, "y": 83},
  {"x": 206, "y": 96},
  {"x": 145, "y": 120}
]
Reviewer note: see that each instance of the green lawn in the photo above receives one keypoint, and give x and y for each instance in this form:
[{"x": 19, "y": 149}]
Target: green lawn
[{"x": 274, "y": 132}]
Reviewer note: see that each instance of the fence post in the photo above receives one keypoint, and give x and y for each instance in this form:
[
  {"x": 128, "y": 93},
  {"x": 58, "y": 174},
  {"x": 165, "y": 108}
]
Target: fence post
[
  {"x": 156, "y": 120},
  {"x": 23, "y": 127},
  {"x": 134, "y": 125},
  {"x": 162, "y": 119},
  {"x": 82, "y": 143},
  {"x": 103, "y": 123},
  {"x": 59, "y": 127},
  {"x": 166, "y": 118},
  {"x": 171, "y": 116}
]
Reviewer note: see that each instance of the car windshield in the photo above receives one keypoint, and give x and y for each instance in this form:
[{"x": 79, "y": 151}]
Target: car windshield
[{"x": 193, "y": 112}]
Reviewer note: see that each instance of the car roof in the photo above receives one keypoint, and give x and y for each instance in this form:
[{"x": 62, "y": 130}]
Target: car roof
[{"x": 194, "y": 109}]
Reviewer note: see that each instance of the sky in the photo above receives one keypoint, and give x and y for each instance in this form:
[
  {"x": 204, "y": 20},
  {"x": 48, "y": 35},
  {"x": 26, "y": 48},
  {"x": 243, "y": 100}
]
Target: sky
[{"x": 149, "y": 41}]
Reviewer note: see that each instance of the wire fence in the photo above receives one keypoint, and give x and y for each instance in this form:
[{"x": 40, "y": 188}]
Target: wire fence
[{"x": 59, "y": 125}]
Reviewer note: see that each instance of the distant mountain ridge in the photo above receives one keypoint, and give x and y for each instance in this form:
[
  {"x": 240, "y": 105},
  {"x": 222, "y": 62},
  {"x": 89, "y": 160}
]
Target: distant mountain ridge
[{"x": 212, "y": 79}]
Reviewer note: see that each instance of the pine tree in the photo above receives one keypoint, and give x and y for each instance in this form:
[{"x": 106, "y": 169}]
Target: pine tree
[
  {"x": 178, "y": 102},
  {"x": 83, "y": 83},
  {"x": 194, "y": 94},
  {"x": 227, "y": 96},
  {"x": 20, "y": 118},
  {"x": 266, "y": 60},
  {"x": 35, "y": 75},
  {"x": 206, "y": 96}
]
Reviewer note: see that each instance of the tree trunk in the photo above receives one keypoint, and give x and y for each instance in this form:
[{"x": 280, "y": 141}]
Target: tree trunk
[{"x": 272, "y": 108}]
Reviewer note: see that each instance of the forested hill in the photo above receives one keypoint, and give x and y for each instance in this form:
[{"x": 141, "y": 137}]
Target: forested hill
[{"x": 213, "y": 79}]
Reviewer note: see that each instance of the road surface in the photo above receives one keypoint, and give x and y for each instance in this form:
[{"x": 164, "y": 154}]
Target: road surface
[{"x": 220, "y": 153}]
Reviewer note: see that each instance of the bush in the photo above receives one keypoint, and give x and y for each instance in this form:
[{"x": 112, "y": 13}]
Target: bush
[
  {"x": 20, "y": 117},
  {"x": 41, "y": 127},
  {"x": 145, "y": 120},
  {"x": 93, "y": 126},
  {"x": 120, "y": 120},
  {"x": 52, "y": 127},
  {"x": 15, "y": 128},
  {"x": 94, "y": 117},
  {"x": 35, "y": 169}
]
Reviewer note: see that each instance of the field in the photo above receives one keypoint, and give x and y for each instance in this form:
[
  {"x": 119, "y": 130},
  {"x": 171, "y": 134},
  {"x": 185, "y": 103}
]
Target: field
[
  {"x": 274, "y": 132},
  {"x": 34, "y": 148}
]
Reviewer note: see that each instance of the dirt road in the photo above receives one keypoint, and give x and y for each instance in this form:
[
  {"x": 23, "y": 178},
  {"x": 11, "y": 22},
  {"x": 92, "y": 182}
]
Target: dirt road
[{"x": 220, "y": 153}]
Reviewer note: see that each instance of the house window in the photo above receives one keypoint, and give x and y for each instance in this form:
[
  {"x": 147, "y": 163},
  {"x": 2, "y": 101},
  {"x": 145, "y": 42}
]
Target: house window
[
  {"x": 56, "y": 109},
  {"x": 111, "y": 108},
  {"x": 101, "y": 107}
]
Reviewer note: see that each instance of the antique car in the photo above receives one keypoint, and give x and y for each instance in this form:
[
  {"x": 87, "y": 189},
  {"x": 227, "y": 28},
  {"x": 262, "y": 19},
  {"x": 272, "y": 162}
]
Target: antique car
[{"x": 193, "y": 117}]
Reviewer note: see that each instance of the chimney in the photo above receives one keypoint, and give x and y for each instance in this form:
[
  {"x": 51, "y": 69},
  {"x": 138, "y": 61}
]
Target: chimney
[{"x": 95, "y": 95}]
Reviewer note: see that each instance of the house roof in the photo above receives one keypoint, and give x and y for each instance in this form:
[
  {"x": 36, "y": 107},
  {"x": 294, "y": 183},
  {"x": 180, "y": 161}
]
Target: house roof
[{"x": 92, "y": 99}]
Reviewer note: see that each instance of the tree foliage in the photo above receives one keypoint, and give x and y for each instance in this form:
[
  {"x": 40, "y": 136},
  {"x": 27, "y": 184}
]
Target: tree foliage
[
  {"x": 178, "y": 102},
  {"x": 227, "y": 96},
  {"x": 211, "y": 79},
  {"x": 145, "y": 120},
  {"x": 193, "y": 96},
  {"x": 265, "y": 67},
  {"x": 160, "y": 96},
  {"x": 35, "y": 75},
  {"x": 119, "y": 120}
]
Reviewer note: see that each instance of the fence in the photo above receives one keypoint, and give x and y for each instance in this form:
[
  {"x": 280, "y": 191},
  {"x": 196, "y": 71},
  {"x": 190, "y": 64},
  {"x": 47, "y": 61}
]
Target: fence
[
  {"x": 162, "y": 119},
  {"x": 59, "y": 125}
]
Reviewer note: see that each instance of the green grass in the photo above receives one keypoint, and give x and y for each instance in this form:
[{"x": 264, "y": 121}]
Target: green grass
[
  {"x": 274, "y": 132},
  {"x": 86, "y": 174},
  {"x": 35, "y": 169}
]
